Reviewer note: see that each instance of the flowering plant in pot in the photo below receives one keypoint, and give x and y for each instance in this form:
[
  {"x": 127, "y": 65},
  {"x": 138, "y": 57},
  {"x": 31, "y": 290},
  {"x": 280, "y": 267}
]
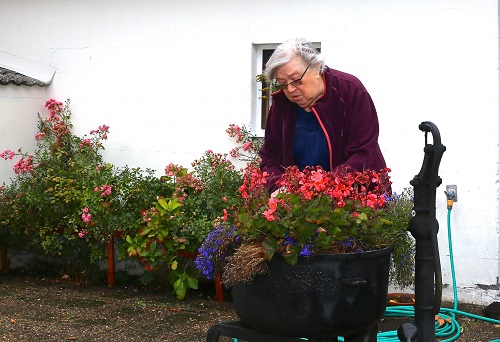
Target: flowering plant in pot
[
  {"x": 326, "y": 237},
  {"x": 344, "y": 211}
]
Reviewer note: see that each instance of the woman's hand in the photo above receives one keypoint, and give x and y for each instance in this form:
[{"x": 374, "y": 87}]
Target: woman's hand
[{"x": 279, "y": 191}]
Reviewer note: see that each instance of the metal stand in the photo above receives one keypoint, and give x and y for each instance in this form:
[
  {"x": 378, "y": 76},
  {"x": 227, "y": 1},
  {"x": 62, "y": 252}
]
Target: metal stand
[{"x": 239, "y": 331}]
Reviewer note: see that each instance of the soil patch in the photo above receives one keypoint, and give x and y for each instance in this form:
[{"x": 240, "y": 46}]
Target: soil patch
[{"x": 34, "y": 308}]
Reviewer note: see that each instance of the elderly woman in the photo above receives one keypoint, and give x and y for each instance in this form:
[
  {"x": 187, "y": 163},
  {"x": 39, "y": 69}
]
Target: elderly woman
[{"x": 319, "y": 116}]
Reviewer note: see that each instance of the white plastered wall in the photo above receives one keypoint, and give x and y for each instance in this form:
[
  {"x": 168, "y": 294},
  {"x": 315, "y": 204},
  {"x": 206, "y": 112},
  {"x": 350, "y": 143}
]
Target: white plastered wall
[{"x": 169, "y": 76}]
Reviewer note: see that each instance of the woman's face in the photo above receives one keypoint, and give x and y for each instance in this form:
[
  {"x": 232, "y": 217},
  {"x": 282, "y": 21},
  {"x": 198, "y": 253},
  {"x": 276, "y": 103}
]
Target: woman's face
[{"x": 305, "y": 94}]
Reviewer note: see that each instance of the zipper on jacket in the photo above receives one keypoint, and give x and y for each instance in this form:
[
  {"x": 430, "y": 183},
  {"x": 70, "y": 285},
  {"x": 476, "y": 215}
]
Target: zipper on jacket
[{"x": 328, "y": 141}]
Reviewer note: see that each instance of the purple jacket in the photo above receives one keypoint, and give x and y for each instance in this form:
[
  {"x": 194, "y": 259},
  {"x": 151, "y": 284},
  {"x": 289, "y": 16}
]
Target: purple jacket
[{"x": 346, "y": 114}]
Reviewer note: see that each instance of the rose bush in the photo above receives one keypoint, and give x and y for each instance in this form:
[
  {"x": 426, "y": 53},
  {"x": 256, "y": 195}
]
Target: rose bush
[{"x": 64, "y": 198}]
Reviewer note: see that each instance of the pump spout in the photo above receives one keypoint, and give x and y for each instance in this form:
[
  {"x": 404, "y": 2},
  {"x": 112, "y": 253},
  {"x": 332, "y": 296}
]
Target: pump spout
[{"x": 424, "y": 228}]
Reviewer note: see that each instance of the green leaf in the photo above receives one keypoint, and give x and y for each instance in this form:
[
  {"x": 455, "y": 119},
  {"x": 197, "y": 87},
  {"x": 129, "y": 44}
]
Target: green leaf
[
  {"x": 180, "y": 289},
  {"x": 324, "y": 241},
  {"x": 334, "y": 230},
  {"x": 163, "y": 202},
  {"x": 173, "y": 204},
  {"x": 193, "y": 283},
  {"x": 177, "y": 283},
  {"x": 362, "y": 217},
  {"x": 269, "y": 246},
  {"x": 292, "y": 257}
]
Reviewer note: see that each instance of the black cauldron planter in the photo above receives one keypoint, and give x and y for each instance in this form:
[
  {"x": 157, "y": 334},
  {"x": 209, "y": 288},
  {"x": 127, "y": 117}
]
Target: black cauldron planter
[{"x": 326, "y": 295}]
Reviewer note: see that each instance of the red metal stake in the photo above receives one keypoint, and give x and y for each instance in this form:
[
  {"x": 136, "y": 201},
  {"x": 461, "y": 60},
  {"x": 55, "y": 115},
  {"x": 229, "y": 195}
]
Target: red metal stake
[
  {"x": 219, "y": 290},
  {"x": 4, "y": 261},
  {"x": 111, "y": 262}
]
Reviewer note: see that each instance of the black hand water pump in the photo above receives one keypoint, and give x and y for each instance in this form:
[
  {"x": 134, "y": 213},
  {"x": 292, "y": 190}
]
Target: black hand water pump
[{"x": 424, "y": 228}]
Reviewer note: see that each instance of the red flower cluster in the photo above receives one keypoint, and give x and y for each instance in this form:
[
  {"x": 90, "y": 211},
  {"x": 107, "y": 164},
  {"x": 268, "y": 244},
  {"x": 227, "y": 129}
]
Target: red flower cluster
[
  {"x": 101, "y": 131},
  {"x": 173, "y": 170},
  {"x": 248, "y": 145},
  {"x": 368, "y": 187},
  {"x": 24, "y": 165},
  {"x": 105, "y": 190},
  {"x": 254, "y": 181},
  {"x": 314, "y": 210},
  {"x": 234, "y": 131},
  {"x": 183, "y": 180},
  {"x": 7, "y": 154},
  {"x": 54, "y": 108}
]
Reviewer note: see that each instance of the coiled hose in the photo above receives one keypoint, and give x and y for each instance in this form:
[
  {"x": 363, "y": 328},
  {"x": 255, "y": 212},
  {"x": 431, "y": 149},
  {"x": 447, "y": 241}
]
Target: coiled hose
[{"x": 450, "y": 330}]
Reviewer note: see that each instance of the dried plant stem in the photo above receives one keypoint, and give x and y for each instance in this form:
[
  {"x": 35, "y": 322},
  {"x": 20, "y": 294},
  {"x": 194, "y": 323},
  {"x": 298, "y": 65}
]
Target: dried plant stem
[{"x": 247, "y": 262}]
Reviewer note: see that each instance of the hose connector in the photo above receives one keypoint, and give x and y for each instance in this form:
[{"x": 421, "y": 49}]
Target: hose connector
[
  {"x": 451, "y": 195},
  {"x": 449, "y": 204}
]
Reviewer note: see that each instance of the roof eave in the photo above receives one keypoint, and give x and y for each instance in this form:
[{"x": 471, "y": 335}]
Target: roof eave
[{"x": 19, "y": 70}]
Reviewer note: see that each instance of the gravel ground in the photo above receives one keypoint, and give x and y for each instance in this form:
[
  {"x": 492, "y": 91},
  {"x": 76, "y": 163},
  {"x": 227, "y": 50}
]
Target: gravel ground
[{"x": 49, "y": 309}]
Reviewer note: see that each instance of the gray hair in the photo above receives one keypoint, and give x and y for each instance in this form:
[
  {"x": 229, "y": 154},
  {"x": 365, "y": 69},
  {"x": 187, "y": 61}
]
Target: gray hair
[{"x": 297, "y": 47}]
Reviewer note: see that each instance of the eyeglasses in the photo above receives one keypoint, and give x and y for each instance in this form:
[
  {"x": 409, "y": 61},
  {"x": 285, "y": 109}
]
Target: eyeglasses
[{"x": 294, "y": 83}]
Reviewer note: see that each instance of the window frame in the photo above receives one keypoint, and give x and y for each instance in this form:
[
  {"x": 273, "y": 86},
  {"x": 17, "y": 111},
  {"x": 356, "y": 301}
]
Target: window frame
[{"x": 257, "y": 69}]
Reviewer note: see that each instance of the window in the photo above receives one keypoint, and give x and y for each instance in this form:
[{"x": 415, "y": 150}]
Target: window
[
  {"x": 260, "y": 95},
  {"x": 261, "y": 99}
]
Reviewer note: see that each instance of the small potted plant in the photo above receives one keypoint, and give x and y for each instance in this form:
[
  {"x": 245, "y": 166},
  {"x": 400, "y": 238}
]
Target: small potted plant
[{"x": 342, "y": 219}]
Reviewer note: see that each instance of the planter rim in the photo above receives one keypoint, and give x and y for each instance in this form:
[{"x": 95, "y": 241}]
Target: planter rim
[{"x": 350, "y": 255}]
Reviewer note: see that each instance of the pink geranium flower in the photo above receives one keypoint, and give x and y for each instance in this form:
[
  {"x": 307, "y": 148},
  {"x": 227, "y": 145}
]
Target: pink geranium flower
[{"x": 313, "y": 209}]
